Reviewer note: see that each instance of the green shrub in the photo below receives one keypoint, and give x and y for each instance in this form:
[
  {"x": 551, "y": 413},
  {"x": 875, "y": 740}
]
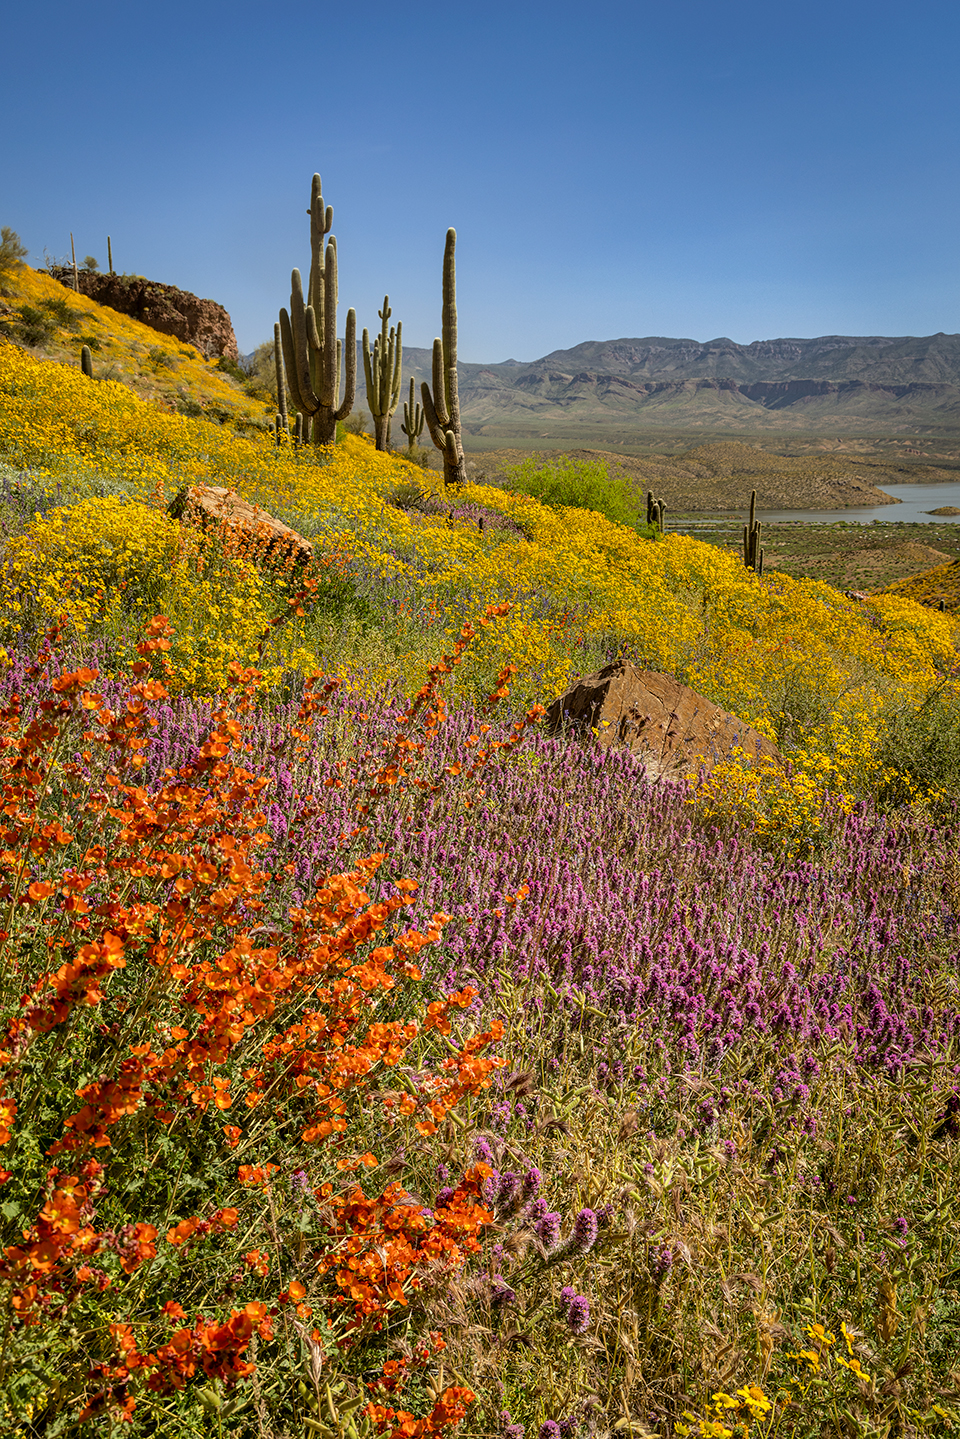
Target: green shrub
[
  {"x": 12, "y": 255},
  {"x": 34, "y": 326},
  {"x": 162, "y": 359},
  {"x": 62, "y": 313},
  {"x": 231, "y": 368},
  {"x": 582, "y": 485}
]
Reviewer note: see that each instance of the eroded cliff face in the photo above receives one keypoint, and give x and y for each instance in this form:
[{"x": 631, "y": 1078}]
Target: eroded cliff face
[{"x": 202, "y": 323}]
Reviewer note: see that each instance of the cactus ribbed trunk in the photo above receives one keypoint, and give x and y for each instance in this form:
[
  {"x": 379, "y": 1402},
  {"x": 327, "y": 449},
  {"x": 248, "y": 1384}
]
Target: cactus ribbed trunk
[
  {"x": 442, "y": 407},
  {"x": 308, "y": 335},
  {"x": 281, "y": 378}
]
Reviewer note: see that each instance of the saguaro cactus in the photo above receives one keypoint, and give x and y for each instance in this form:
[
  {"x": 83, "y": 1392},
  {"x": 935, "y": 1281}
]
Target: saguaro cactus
[
  {"x": 311, "y": 351},
  {"x": 752, "y": 553},
  {"x": 282, "y": 421},
  {"x": 382, "y": 371},
  {"x": 413, "y": 418},
  {"x": 442, "y": 407},
  {"x": 656, "y": 512},
  {"x": 86, "y": 361}
]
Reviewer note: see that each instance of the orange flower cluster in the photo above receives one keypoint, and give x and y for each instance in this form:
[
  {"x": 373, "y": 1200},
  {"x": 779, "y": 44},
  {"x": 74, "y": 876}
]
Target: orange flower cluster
[
  {"x": 210, "y": 1348},
  {"x": 449, "y": 1409},
  {"x": 141, "y": 917},
  {"x": 391, "y": 1244}
]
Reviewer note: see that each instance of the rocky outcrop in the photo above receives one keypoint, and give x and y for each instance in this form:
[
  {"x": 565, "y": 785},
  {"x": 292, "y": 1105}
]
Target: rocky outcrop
[
  {"x": 213, "y": 506},
  {"x": 202, "y": 323},
  {"x": 675, "y": 731}
]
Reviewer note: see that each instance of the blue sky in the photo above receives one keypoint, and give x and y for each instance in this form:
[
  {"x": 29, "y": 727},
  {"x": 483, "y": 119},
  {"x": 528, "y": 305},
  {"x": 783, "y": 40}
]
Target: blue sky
[{"x": 612, "y": 169}]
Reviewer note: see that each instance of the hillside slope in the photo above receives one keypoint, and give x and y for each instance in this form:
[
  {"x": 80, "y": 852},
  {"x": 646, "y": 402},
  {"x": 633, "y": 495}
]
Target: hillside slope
[{"x": 51, "y": 322}]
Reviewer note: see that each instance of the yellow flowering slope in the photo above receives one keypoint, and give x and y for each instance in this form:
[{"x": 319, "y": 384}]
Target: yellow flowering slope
[
  {"x": 819, "y": 673},
  {"x": 155, "y": 366}
]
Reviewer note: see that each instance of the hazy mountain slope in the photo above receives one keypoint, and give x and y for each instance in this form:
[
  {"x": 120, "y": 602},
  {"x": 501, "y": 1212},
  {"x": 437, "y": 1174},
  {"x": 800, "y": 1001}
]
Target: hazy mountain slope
[{"x": 877, "y": 384}]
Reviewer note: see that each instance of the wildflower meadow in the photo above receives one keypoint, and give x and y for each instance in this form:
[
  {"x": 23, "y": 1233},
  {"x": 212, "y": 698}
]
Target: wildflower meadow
[{"x": 373, "y": 1062}]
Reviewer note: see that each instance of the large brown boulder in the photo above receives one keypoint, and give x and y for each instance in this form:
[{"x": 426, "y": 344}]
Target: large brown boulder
[
  {"x": 675, "y": 731},
  {"x": 213, "y": 506},
  {"x": 202, "y": 323}
]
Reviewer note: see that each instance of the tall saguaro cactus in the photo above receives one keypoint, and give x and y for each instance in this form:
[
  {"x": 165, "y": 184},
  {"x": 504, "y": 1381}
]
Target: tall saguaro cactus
[
  {"x": 752, "y": 553},
  {"x": 382, "y": 372},
  {"x": 283, "y": 425},
  {"x": 442, "y": 407},
  {"x": 413, "y": 418},
  {"x": 311, "y": 351}
]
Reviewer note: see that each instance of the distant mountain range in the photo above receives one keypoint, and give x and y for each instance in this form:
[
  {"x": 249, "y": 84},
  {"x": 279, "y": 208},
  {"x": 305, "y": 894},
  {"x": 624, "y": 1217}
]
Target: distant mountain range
[{"x": 872, "y": 384}]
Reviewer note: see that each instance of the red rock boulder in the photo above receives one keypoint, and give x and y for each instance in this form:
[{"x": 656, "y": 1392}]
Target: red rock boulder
[
  {"x": 213, "y": 506},
  {"x": 675, "y": 731}
]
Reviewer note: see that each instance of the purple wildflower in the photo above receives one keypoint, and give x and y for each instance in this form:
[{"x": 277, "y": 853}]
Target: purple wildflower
[
  {"x": 584, "y": 1235},
  {"x": 578, "y": 1315},
  {"x": 508, "y": 1196},
  {"x": 531, "y": 1183},
  {"x": 550, "y": 1430},
  {"x": 547, "y": 1231}
]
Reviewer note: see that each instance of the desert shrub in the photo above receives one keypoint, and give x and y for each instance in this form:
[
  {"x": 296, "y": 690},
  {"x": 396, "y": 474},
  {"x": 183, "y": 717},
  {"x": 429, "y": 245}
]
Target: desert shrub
[
  {"x": 583, "y": 485},
  {"x": 162, "y": 359},
  {"x": 61, "y": 310},
  {"x": 34, "y": 326},
  {"x": 12, "y": 255},
  {"x": 231, "y": 368}
]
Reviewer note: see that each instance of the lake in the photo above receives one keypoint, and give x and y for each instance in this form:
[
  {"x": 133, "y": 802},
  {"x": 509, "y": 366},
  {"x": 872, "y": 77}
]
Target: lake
[{"x": 916, "y": 502}]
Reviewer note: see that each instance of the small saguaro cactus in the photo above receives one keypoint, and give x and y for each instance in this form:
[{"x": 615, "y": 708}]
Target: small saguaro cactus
[
  {"x": 752, "y": 553},
  {"x": 282, "y": 422},
  {"x": 311, "y": 351},
  {"x": 656, "y": 512},
  {"x": 413, "y": 418},
  {"x": 382, "y": 371},
  {"x": 86, "y": 362},
  {"x": 442, "y": 407},
  {"x": 110, "y": 255}
]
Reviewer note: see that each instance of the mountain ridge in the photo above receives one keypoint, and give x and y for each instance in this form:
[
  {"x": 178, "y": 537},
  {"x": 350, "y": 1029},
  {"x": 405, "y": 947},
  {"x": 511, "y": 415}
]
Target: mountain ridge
[{"x": 886, "y": 383}]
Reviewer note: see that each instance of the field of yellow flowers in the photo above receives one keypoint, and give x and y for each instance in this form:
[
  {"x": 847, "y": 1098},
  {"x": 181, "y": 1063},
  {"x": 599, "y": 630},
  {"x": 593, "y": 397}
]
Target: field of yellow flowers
[{"x": 837, "y": 684}]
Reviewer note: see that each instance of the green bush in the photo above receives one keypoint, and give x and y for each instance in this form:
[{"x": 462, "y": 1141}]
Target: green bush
[
  {"x": 12, "y": 255},
  {"x": 231, "y": 368},
  {"x": 34, "y": 326},
  {"x": 583, "y": 485},
  {"x": 161, "y": 359}
]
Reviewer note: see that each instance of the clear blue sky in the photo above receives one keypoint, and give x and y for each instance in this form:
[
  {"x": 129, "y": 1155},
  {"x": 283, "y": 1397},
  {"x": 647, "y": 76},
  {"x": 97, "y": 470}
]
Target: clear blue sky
[{"x": 612, "y": 167}]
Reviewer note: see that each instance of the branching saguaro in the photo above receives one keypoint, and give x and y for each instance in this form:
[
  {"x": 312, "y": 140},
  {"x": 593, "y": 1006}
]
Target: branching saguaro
[
  {"x": 752, "y": 552},
  {"x": 413, "y": 418},
  {"x": 311, "y": 351},
  {"x": 442, "y": 407},
  {"x": 382, "y": 371}
]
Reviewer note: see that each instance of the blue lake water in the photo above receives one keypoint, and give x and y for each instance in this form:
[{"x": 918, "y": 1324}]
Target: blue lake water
[{"x": 916, "y": 503}]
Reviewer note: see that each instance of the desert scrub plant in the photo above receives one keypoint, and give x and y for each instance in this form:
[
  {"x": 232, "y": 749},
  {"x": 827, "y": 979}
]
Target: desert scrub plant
[
  {"x": 584, "y": 485},
  {"x": 12, "y": 255},
  {"x": 208, "y": 1216}
]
